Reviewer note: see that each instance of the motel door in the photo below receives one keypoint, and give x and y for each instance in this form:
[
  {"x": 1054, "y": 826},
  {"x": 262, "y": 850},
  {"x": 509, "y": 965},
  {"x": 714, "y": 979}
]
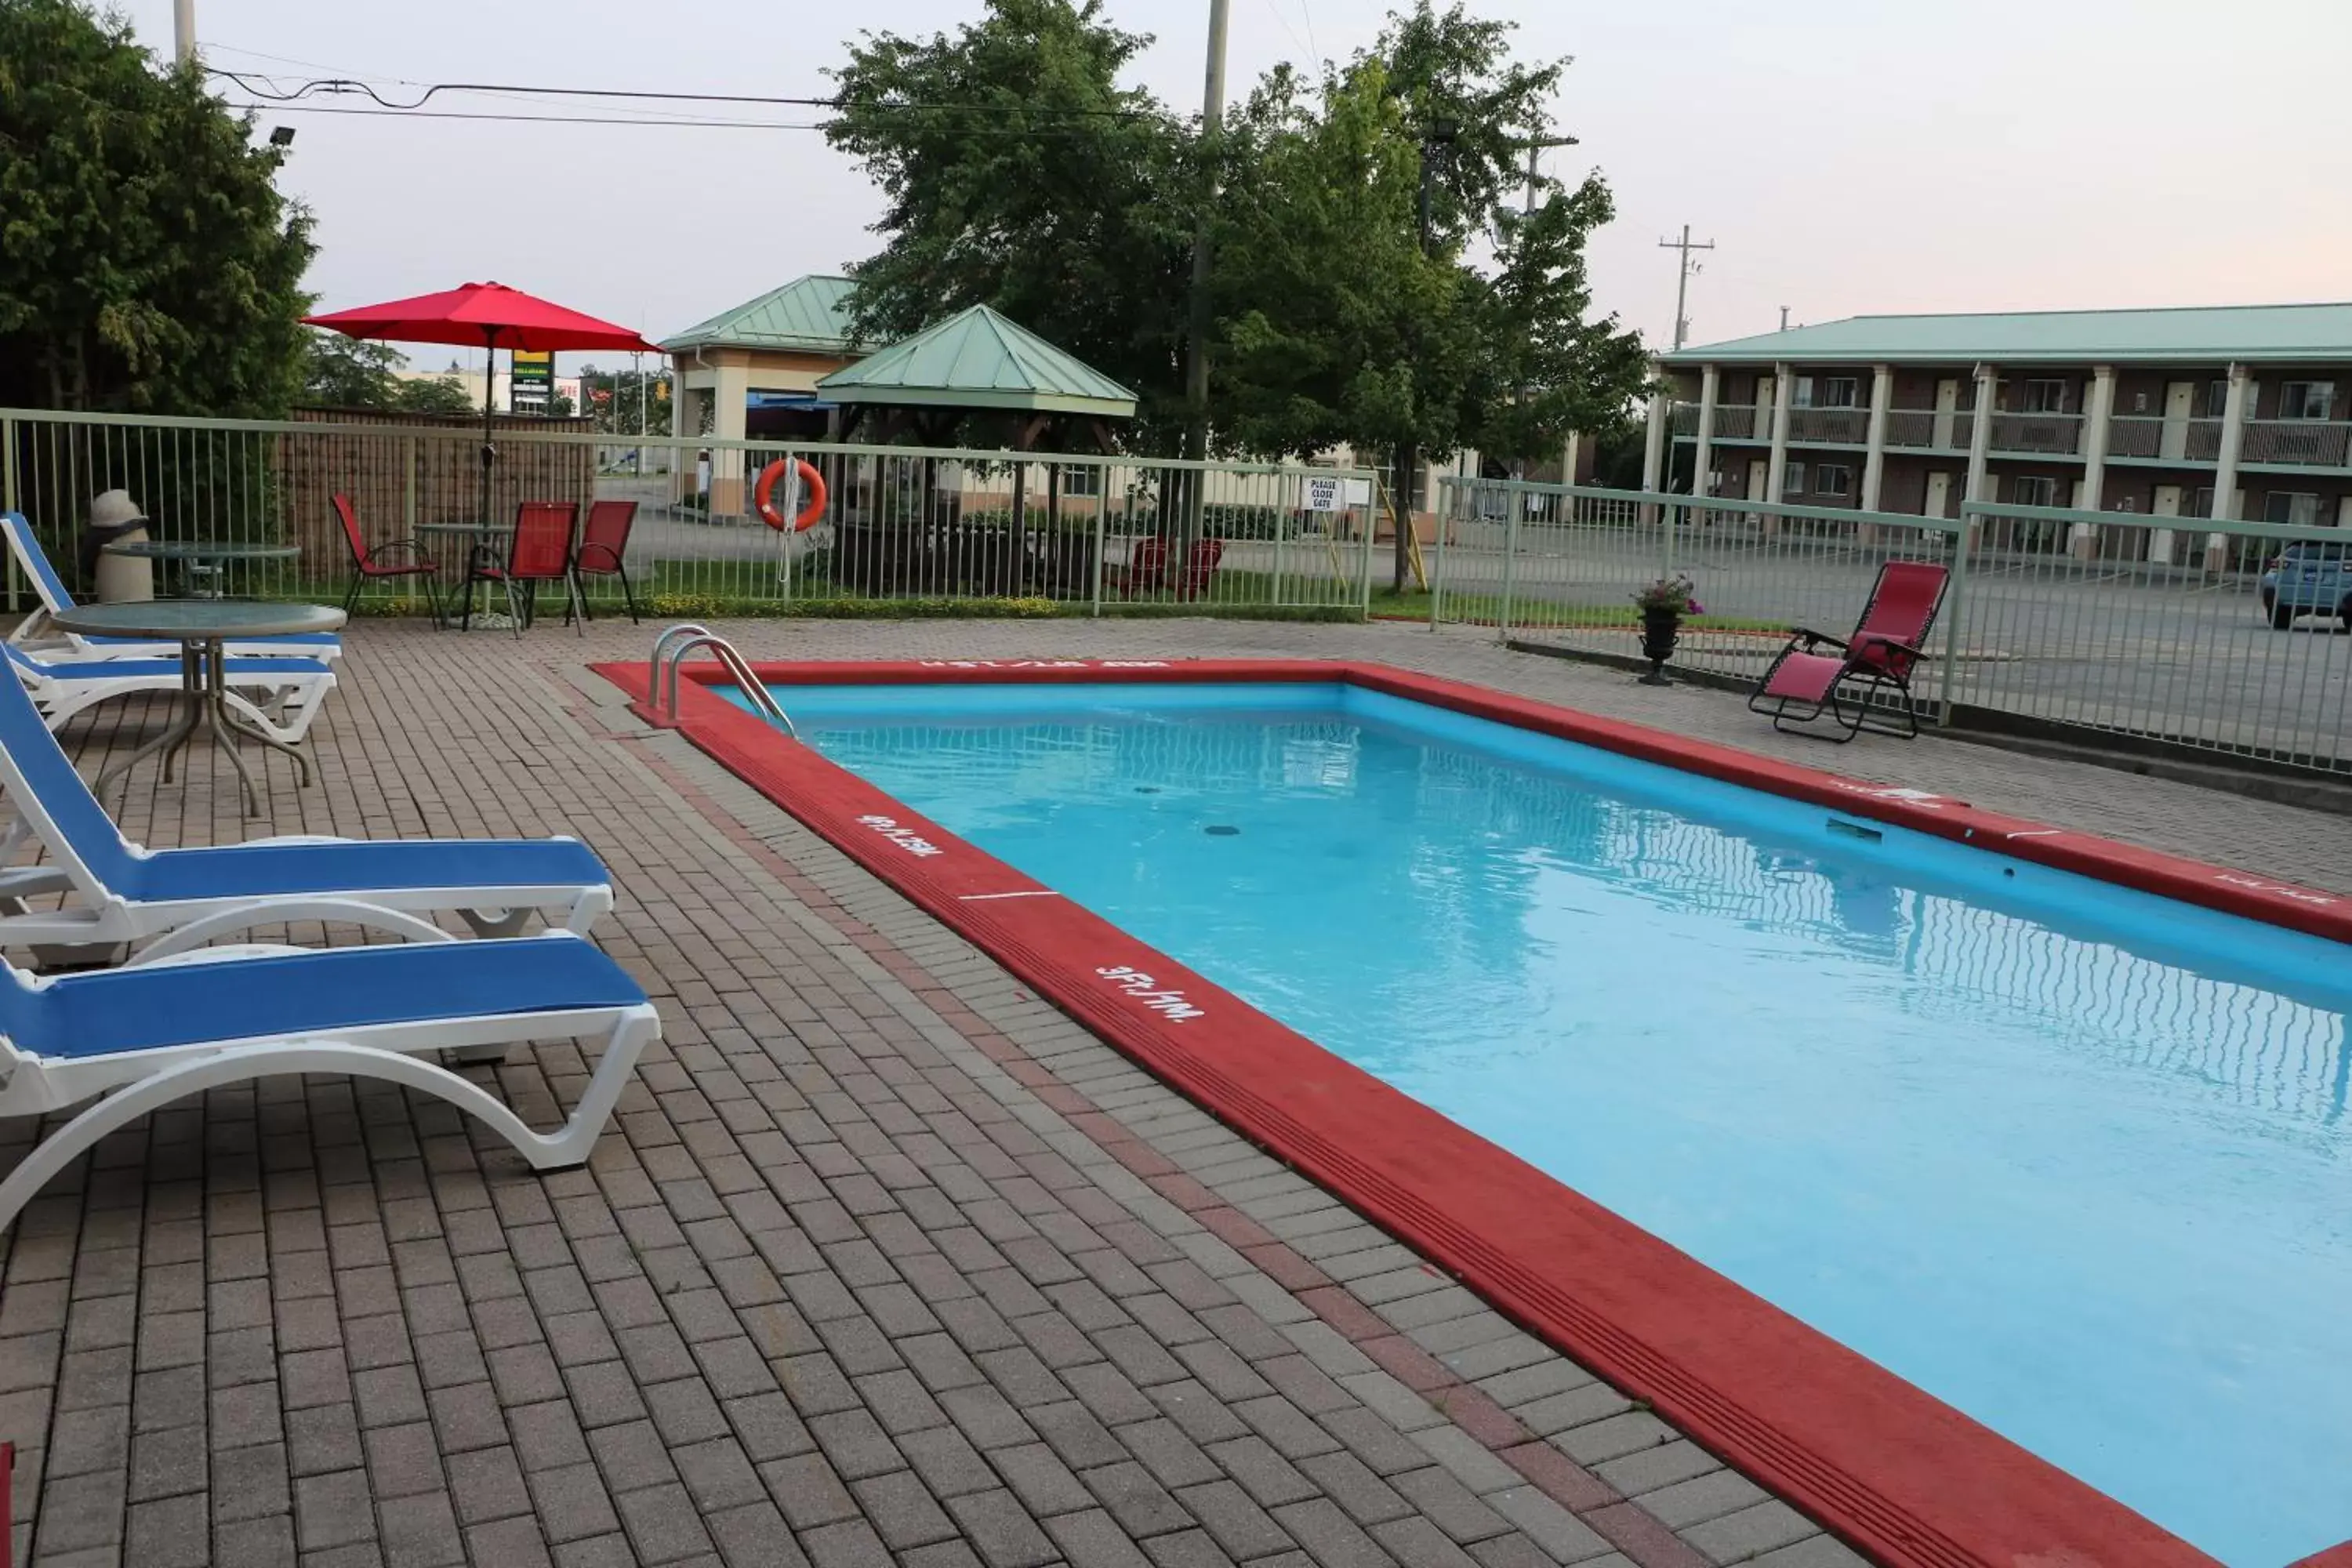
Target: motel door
[
  {"x": 2179, "y": 400},
  {"x": 1948, "y": 403},
  {"x": 2167, "y": 504},
  {"x": 1939, "y": 493}
]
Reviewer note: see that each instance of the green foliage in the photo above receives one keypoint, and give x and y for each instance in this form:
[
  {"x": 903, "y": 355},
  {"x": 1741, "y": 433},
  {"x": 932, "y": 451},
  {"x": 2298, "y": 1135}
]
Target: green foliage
[
  {"x": 1341, "y": 326},
  {"x": 613, "y": 400},
  {"x": 433, "y": 394},
  {"x": 349, "y": 372},
  {"x": 1018, "y": 174},
  {"x": 147, "y": 261}
]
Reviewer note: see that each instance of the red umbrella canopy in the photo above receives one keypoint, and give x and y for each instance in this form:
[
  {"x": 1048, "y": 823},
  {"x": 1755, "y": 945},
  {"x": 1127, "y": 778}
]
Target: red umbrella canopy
[{"x": 488, "y": 314}]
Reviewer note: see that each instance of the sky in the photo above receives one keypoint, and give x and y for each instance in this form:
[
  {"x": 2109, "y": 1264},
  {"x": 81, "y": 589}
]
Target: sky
[{"x": 1846, "y": 156}]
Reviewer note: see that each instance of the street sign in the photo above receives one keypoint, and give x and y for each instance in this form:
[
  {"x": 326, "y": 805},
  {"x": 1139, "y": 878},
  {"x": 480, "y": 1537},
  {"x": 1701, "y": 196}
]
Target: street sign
[{"x": 533, "y": 384}]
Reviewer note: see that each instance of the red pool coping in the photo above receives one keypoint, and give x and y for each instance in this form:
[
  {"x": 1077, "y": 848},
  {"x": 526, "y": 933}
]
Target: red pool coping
[{"x": 1896, "y": 1472}]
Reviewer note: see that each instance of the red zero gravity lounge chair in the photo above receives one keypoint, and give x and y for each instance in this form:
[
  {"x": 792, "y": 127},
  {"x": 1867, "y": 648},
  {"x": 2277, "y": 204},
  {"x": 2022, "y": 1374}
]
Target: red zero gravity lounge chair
[{"x": 1806, "y": 681}]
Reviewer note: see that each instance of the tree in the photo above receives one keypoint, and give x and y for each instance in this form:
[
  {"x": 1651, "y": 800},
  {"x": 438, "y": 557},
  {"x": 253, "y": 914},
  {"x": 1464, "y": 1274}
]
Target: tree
[
  {"x": 433, "y": 394},
  {"x": 147, "y": 261},
  {"x": 619, "y": 401},
  {"x": 1351, "y": 308},
  {"x": 351, "y": 372},
  {"x": 1019, "y": 173}
]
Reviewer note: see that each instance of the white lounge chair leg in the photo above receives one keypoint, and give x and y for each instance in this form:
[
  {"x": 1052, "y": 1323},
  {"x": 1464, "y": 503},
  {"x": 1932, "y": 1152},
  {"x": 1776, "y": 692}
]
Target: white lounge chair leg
[
  {"x": 327, "y": 912},
  {"x": 568, "y": 1145}
]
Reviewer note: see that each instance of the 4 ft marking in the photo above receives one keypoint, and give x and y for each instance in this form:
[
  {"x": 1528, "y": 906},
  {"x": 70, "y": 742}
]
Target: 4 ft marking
[{"x": 1141, "y": 987}]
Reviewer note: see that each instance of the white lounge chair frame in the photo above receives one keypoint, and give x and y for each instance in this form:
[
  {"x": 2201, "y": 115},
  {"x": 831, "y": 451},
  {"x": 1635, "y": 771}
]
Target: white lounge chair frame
[
  {"x": 393, "y": 1052},
  {"x": 294, "y": 696},
  {"x": 35, "y": 633}
]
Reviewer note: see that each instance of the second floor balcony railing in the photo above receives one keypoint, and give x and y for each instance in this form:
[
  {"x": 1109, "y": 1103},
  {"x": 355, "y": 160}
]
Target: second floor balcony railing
[
  {"x": 2056, "y": 432},
  {"x": 1837, "y": 427},
  {"x": 2165, "y": 440},
  {"x": 2305, "y": 443},
  {"x": 1913, "y": 426}
]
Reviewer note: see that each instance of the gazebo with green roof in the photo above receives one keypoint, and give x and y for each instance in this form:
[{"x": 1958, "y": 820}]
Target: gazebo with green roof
[
  {"x": 974, "y": 380},
  {"x": 974, "y": 365}
]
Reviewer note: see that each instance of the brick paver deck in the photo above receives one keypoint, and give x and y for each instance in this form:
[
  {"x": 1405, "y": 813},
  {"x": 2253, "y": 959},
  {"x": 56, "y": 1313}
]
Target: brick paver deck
[{"x": 882, "y": 1259}]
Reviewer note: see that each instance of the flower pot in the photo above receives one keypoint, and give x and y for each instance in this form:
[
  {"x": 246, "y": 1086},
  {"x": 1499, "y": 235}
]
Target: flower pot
[{"x": 1659, "y": 631}]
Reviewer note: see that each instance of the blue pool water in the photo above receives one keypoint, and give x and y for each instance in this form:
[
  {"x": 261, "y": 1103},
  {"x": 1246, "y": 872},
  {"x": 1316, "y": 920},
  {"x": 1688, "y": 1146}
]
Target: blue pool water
[{"x": 2072, "y": 1158}]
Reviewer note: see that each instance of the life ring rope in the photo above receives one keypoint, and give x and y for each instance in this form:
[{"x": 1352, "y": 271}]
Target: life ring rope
[{"x": 763, "y": 496}]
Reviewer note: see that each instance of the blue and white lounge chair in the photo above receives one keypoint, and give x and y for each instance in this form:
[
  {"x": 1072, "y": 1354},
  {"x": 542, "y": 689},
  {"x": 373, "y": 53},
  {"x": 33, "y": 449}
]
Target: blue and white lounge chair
[
  {"x": 121, "y": 891},
  {"x": 279, "y": 696},
  {"x": 161, "y": 1032},
  {"x": 36, "y": 631}
]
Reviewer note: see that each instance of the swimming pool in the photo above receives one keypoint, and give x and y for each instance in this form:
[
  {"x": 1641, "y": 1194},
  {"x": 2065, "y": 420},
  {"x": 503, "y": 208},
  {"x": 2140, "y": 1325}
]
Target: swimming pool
[{"x": 2068, "y": 1156}]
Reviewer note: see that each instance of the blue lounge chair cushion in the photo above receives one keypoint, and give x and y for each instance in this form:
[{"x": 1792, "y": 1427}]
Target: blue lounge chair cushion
[
  {"x": 310, "y": 993},
  {"x": 257, "y": 870},
  {"x": 241, "y": 670}
]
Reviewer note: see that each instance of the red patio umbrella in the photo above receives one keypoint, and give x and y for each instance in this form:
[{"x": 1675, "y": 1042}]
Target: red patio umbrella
[{"x": 492, "y": 315}]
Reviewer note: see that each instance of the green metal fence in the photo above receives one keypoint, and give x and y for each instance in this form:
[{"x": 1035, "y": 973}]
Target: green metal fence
[
  {"x": 2221, "y": 636},
  {"x": 903, "y": 525}
]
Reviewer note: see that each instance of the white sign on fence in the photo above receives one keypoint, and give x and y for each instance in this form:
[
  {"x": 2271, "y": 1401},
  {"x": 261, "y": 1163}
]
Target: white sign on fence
[{"x": 1334, "y": 494}]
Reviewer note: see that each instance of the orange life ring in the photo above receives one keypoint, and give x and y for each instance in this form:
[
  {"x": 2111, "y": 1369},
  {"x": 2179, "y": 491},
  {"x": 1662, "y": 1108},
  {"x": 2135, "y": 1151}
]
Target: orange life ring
[{"x": 763, "y": 496}]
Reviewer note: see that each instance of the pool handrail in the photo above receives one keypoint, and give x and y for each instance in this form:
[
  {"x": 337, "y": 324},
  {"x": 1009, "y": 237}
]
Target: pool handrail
[{"x": 689, "y": 637}]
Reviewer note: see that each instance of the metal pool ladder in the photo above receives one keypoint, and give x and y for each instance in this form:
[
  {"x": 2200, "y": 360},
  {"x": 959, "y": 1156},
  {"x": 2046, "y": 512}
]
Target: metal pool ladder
[{"x": 688, "y": 638}]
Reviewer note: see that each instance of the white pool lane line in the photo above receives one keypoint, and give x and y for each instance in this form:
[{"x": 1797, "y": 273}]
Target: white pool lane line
[{"x": 1025, "y": 893}]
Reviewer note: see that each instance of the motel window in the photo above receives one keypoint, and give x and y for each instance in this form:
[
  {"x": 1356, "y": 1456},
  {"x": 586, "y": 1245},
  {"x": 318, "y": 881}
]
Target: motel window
[
  {"x": 2033, "y": 489},
  {"x": 2296, "y": 509},
  {"x": 2217, "y": 399},
  {"x": 1081, "y": 479},
  {"x": 1833, "y": 480},
  {"x": 1792, "y": 480},
  {"x": 2307, "y": 400},
  {"x": 2043, "y": 397},
  {"x": 1826, "y": 392}
]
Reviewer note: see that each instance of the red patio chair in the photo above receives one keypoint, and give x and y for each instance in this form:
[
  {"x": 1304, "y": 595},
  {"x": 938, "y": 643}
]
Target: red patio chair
[
  {"x": 1200, "y": 565},
  {"x": 1146, "y": 571},
  {"x": 603, "y": 543},
  {"x": 370, "y": 565},
  {"x": 1887, "y": 646},
  {"x": 539, "y": 551}
]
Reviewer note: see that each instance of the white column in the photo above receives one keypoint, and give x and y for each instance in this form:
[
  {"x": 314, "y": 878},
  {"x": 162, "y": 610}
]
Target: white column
[
  {"x": 1653, "y": 453},
  {"x": 1710, "y": 382},
  {"x": 2082, "y": 538},
  {"x": 1874, "y": 457},
  {"x": 1775, "y": 471},
  {"x": 1987, "y": 379},
  {"x": 2225, "y": 477}
]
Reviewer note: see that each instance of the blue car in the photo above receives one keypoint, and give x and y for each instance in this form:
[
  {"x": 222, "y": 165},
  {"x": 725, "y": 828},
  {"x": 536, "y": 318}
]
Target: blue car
[{"x": 2308, "y": 579}]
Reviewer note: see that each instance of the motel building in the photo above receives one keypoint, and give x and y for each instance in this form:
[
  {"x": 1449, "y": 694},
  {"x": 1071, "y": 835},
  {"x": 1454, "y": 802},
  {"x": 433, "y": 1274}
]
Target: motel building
[{"x": 2240, "y": 412}]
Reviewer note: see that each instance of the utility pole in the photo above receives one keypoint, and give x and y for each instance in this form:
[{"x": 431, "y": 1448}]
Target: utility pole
[
  {"x": 1682, "y": 280},
  {"x": 1196, "y": 351},
  {"x": 184, "y": 30},
  {"x": 1535, "y": 150}
]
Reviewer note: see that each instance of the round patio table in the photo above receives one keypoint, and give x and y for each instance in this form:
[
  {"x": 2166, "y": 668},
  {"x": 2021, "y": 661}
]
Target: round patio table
[
  {"x": 194, "y": 555},
  {"x": 203, "y": 627},
  {"x": 484, "y": 537}
]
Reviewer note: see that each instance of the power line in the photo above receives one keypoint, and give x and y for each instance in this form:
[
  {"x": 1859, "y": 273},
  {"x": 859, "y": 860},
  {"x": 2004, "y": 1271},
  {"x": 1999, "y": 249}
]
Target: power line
[
  {"x": 335, "y": 86},
  {"x": 545, "y": 119},
  {"x": 663, "y": 125}
]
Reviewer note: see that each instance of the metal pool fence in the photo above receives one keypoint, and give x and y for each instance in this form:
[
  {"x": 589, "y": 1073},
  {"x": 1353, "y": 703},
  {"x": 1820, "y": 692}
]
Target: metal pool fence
[
  {"x": 2222, "y": 636},
  {"x": 2226, "y": 636},
  {"x": 1057, "y": 533}
]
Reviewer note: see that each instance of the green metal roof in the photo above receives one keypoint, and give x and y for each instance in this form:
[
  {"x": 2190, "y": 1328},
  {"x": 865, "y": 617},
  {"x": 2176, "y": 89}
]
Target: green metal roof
[
  {"x": 980, "y": 360},
  {"x": 810, "y": 314},
  {"x": 2218, "y": 333}
]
